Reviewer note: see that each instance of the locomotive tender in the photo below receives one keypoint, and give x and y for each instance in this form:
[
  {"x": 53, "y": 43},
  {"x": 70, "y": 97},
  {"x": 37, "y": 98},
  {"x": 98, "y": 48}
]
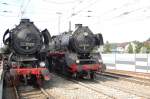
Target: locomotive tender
[
  {"x": 27, "y": 61},
  {"x": 72, "y": 53}
]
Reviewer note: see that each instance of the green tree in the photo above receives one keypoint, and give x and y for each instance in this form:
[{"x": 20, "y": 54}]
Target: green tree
[
  {"x": 107, "y": 47},
  {"x": 147, "y": 46},
  {"x": 130, "y": 48},
  {"x": 148, "y": 49},
  {"x": 138, "y": 47}
]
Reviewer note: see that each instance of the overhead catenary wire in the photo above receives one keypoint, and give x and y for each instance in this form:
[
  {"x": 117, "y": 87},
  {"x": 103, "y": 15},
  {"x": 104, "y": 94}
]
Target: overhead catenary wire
[
  {"x": 21, "y": 6},
  {"x": 75, "y": 6},
  {"x": 7, "y": 15},
  {"x": 82, "y": 9},
  {"x": 129, "y": 12},
  {"x": 124, "y": 13},
  {"x": 56, "y": 2},
  {"x": 23, "y": 10},
  {"x": 110, "y": 11},
  {"x": 9, "y": 4}
]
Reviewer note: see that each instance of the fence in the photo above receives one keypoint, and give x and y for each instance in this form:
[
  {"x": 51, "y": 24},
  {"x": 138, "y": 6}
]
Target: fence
[{"x": 128, "y": 62}]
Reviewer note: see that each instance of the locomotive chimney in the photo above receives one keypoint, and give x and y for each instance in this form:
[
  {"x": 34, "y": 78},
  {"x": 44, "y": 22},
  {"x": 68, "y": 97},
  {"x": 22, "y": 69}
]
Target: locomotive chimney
[
  {"x": 25, "y": 20},
  {"x": 78, "y": 25}
]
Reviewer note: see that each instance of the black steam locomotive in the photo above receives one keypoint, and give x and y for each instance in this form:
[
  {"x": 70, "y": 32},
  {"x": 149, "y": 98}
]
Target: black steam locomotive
[
  {"x": 73, "y": 55},
  {"x": 28, "y": 46}
]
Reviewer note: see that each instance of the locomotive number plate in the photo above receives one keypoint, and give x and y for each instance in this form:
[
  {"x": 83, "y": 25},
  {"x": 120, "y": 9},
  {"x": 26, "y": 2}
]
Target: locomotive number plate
[{"x": 27, "y": 44}]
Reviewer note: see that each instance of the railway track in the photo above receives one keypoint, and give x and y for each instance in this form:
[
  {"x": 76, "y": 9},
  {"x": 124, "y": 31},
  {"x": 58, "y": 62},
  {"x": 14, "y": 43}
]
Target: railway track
[
  {"x": 28, "y": 92},
  {"x": 126, "y": 78},
  {"x": 123, "y": 86},
  {"x": 94, "y": 88},
  {"x": 78, "y": 85},
  {"x": 110, "y": 92}
]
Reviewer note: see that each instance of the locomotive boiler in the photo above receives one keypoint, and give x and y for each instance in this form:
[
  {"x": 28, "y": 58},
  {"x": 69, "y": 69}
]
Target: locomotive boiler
[
  {"x": 28, "y": 46},
  {"x": 73, "y": 53}
]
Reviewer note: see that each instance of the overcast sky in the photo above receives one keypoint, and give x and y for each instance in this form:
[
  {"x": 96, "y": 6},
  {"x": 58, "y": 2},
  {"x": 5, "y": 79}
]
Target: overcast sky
[{"x": 117, "y": 20}]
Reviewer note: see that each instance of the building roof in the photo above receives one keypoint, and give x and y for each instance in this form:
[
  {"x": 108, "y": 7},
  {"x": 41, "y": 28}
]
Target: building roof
[
  {"x": 114, "y": 45},
  {"x": 146, "y": 43}
]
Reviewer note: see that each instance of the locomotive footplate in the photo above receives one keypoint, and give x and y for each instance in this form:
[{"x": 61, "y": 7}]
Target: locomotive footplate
[
  {"x": 31, "y": 71},
  {"x": 85, "y": 67}
]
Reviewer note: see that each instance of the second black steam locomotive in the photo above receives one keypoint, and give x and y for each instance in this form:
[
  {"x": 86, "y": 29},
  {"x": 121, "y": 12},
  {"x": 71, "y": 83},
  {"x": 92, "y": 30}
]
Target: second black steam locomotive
[
  {"x": 28, "y": 49},
  {"x": 72, "y": 53}
]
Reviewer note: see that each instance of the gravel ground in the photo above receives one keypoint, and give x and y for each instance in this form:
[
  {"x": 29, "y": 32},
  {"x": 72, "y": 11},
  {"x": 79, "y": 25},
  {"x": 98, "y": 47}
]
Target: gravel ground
[{"x": 64, "y": 89}]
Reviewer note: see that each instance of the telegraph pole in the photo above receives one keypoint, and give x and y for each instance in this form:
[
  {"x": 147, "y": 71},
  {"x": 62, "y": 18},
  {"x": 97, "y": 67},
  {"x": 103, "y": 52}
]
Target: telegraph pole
[
  {"x": 59, "y": 16},
  {"x": 69, "y": 26}
]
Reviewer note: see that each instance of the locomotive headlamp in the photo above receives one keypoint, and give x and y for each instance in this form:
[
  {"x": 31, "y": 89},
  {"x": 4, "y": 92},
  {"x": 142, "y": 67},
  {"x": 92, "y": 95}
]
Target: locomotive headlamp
[
  {"x": 100, "y": 60},
  {"x": 77, "y": 61},
  {"x": 42, "y": 64},
  {"x": 85, "y": 34}
]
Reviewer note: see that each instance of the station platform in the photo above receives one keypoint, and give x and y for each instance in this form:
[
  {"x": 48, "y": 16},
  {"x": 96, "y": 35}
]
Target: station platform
[{"x": 130, "y": 73}]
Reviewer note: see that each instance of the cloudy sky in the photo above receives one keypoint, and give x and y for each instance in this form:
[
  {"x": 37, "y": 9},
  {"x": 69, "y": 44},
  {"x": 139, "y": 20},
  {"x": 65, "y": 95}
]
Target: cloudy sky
[{"x": 117, "y": 20}]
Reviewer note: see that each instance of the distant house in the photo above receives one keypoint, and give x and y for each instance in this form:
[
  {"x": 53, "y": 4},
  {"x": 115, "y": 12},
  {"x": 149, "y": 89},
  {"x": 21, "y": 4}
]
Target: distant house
[
  {"x": 148, "y": 39},
  {"x": 122, "y": 47},
  {"x": 147, "y": 42},
  {"x": 118, "y": 47},
  {"x": 142, "y": 47}
]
